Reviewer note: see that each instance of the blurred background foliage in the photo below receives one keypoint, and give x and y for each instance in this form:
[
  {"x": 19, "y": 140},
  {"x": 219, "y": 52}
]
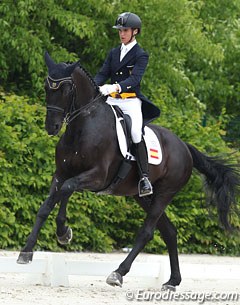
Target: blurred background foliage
[{"x": 193, "y": 76}]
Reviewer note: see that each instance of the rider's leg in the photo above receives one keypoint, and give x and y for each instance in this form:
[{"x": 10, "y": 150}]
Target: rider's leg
[
  {"x": 133, "y": 107},
  {"x": 144, "y": 185},
  {"x": 135, "y": 111}
]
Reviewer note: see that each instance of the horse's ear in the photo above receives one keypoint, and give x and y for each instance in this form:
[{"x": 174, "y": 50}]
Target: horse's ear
[
  {"x": 48, "y": 60},
  {"x": 71, "y": 68},
  {"x": 76, "y": 75}
]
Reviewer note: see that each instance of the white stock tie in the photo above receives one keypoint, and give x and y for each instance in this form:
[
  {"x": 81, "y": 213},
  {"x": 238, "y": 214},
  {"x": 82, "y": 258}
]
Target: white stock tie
[{"x": 123, "y": 52}]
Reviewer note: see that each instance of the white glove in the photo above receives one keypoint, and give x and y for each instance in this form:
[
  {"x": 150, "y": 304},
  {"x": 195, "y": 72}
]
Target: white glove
[{"x": 107, "y": 89}]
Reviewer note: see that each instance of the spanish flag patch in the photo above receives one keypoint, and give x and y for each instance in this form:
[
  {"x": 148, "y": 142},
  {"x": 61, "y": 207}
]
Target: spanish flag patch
[{"x": 154, "y": 153}]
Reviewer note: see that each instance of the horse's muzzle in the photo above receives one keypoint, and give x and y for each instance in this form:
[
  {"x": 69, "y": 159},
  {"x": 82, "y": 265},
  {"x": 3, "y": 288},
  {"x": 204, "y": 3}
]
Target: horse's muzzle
[
  {"x": 53, "y": 128},
  {"x": 53, "y": 124}
]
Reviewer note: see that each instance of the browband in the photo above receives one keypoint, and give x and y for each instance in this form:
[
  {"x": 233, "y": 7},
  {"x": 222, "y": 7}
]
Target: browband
[{"x": 56, "y": 83}]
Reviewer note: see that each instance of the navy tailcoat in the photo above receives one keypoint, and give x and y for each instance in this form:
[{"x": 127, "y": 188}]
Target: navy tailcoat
[{"x": 128, "y": 74}]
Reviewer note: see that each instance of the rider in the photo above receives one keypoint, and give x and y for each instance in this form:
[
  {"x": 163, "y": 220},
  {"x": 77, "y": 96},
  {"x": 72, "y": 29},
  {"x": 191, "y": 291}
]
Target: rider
[{"x": 125, "y": 66}]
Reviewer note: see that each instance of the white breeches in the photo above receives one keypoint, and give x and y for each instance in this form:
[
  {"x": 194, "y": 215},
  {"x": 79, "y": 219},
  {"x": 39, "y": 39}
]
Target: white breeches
[{"x": 132, "y": 107}]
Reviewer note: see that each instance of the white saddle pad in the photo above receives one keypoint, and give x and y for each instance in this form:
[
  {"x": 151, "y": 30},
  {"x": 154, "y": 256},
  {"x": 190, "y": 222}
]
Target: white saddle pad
[{"x": 151, "y": 140}]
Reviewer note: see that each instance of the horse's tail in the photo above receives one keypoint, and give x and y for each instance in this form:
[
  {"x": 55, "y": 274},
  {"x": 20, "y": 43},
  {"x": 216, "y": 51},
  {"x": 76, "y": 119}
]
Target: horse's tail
[{"x": 222, "y": 181}]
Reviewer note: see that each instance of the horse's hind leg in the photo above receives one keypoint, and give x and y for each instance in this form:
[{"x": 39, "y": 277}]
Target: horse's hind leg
[
  {"x": 155, "y": 211},
  {"x": 26, "y": 253},
  {"x": 169, "y": 235},
  {"x": 64, "y": 233}
]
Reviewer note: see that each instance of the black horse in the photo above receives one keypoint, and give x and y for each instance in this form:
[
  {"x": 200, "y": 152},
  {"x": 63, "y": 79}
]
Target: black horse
[{"x": 88, "y": 158}]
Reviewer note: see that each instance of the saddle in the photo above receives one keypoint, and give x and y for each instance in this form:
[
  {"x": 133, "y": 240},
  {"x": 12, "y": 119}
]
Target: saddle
[
  {"x": 126, "y": 123},
  {"x": 123, "y": 129}
]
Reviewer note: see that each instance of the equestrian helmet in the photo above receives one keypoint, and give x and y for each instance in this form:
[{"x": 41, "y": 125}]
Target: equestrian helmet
[{"x": 128, "y": 20}]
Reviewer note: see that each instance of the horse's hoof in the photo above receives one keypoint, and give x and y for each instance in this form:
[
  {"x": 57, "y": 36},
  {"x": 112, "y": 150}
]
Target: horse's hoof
[
  {"x": 115, "y": 279},
  {"x": 66, "y": 238},
  {"x": 25, "y": 257},
  {"x": 168, "y": 287}
]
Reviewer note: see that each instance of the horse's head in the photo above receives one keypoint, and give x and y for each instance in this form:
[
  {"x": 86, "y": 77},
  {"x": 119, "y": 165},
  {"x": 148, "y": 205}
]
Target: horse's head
[
  {"x": 68, "y": 87},
  {"x": 59, "y": 93}
]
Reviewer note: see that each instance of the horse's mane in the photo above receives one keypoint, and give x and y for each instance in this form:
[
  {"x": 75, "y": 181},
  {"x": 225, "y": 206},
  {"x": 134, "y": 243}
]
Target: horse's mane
[
  {"x": 99, "y": 97},
  {"x": 88, "y": 75}
]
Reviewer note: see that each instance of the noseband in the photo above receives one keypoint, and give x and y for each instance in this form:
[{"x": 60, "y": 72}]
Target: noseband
[{"x": 55, "y": 108}]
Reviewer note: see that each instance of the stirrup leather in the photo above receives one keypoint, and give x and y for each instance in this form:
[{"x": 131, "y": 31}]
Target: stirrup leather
[{"x": 144, "y": 187}]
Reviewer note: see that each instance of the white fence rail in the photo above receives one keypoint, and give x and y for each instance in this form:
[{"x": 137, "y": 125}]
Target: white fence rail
[{"x": 54, "y": 269}]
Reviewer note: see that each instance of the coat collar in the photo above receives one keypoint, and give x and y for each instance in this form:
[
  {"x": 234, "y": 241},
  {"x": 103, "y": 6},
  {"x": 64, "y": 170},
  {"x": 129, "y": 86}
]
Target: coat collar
[{"x": 131, "y": 54}]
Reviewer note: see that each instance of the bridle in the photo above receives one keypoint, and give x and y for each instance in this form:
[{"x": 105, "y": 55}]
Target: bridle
[
  {"x": 72, "y": 113},
  {"x": 55, "y": 84}
]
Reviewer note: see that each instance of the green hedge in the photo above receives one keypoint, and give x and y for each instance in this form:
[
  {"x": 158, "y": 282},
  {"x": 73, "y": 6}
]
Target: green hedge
[{"x": 100, "y": 223}]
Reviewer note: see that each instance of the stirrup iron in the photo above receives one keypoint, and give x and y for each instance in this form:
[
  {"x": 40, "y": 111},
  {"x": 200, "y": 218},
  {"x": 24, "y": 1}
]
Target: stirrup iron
[{"x": 144, "y": 187}]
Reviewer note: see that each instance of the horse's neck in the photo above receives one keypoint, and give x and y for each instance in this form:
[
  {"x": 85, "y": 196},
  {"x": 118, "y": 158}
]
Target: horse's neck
[
  {"x": 92, "y": 123},
  {"x": 85, "y": 89}
]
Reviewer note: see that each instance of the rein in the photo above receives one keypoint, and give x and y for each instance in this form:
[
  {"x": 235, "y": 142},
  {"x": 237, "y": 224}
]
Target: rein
[{"x": 72, "y": 116}]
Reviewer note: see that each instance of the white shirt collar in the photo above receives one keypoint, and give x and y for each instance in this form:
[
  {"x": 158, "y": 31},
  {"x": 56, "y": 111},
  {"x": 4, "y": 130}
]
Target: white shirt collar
[{"x": 129, "y": 46}]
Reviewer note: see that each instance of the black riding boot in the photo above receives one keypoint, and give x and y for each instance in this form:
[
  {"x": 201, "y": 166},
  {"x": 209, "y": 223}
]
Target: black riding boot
[{"x": 144, "y": 185}]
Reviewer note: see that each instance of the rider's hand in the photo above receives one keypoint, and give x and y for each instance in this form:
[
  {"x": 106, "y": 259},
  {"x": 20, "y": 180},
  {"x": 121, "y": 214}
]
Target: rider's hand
[{"x": 108, "y": 89}]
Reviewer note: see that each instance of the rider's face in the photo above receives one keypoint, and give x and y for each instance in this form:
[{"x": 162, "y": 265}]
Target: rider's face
[{"x": 126, "y": 35}]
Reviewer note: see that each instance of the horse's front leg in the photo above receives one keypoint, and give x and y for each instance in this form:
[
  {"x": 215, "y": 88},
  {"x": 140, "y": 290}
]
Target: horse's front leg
[
  {"x": 64, "y": 233},
  {"x": 93, "y": 179},
  {"x": 26, "y": 253},
  {"x": 85, "y": 180}
]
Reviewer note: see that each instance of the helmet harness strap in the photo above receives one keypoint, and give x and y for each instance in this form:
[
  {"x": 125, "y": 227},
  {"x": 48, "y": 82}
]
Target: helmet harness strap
[{"x": 133, "y": 35}]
